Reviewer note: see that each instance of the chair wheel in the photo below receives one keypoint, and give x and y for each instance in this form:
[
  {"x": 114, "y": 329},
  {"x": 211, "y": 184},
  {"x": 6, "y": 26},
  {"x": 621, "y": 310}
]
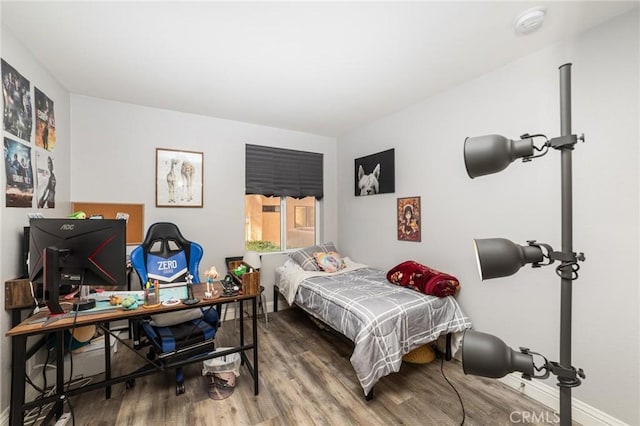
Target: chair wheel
[
  {"x": 151, "y": 355},
  {"x": 179, "y": 388},
  {"x": 129, "y": 384}
]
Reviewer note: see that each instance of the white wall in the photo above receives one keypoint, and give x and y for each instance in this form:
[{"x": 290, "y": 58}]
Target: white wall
[
  {"x": 14, "y": 219},
  {"x": 113, "y": 160},
  {"x": 523, "y": 202}
]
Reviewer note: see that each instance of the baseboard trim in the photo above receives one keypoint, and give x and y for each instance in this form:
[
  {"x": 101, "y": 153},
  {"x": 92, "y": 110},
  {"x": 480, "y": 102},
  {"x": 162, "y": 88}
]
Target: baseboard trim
[{"x": 581, "y": 412}]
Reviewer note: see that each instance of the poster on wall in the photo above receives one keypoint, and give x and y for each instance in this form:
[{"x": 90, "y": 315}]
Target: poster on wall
[
  {"x": 409, "y": 219},
  {"x": 45, "y": 121},
  {"x": 16, "y": 94},
  {"x": 179, "y": 178},
  {"x": 45, "y": 180},
  {"x": 375, "y": 173},
  {"x": 17, "y": 164}
]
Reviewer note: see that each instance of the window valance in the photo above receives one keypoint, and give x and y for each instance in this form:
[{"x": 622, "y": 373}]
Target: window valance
[{"x": 283, "y": 172}]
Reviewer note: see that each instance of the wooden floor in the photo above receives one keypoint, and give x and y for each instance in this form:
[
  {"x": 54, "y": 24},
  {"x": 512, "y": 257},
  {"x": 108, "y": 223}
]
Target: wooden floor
[{"x": 305, "y": 379}]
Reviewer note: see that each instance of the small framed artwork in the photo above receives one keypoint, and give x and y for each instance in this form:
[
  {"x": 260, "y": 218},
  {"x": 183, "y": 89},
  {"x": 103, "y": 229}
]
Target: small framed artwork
[
  {"x": 409, "y": 219},
  {"x": 179, "y": 178},
  {"x": 375, "y": 173}
]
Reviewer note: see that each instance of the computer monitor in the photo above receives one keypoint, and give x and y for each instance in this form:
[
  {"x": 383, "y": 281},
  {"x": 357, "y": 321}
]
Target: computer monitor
[{"x": 74, "y": 252}]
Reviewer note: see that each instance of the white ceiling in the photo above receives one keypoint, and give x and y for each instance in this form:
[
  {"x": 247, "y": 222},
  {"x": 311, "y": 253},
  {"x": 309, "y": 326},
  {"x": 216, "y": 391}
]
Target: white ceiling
[{"x": 322, "y": 68}]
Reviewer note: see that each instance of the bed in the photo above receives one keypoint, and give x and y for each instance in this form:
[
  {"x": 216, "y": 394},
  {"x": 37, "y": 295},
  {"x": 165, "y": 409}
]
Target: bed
[{"x": 384, "y": 321}]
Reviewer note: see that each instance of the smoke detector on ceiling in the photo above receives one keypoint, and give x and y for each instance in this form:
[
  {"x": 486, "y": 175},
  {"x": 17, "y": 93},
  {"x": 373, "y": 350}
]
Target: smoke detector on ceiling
[{"x": 530, "y": 20}]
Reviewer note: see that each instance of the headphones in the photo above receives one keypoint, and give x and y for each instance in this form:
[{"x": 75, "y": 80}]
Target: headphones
[
  {"x": 228, "y": 280},
  {"x": 229, "y": 286}
]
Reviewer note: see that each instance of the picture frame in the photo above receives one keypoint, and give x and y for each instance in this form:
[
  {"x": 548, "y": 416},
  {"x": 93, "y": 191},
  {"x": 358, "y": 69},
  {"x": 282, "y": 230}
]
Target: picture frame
[
  {"x": 409, "y": 219},
  {"x": 179, "y": 178},
  {"x": 375, "y": 173}
]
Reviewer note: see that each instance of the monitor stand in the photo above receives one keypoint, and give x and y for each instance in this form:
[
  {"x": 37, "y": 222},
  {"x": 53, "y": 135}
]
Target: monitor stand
[
  {"x": 51, "y": 266},
  {"x": 84, "y": 305},
  {"x": 85, "y": 302}
]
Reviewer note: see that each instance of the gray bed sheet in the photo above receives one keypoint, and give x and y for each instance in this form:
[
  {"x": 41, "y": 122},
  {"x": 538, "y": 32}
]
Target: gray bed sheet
[{"x": 383, "y": 320}]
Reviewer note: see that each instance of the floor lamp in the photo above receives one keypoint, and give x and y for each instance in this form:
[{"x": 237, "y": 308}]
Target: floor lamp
[{"x": 486, "y": 355}]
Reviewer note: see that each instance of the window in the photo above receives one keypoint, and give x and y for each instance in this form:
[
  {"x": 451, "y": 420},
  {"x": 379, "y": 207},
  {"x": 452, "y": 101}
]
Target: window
[
  {"x": 267, "y": 229},
  {"x": 283, "y": 189},
  {"x": 304, "y": 217},
  {"x": 300, "y": 222}
]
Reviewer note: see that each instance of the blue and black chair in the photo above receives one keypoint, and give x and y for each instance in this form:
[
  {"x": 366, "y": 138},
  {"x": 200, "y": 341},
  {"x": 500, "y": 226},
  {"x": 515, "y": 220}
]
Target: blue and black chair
[{"x": 167, "y": 256}]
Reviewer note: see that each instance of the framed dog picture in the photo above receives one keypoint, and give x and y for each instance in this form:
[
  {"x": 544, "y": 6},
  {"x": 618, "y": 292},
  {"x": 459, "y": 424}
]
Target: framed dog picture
[
  {"x": 179, "y": 178},
  {"x": 409, "y": 219},
  {"x": 375, "y": 173}
]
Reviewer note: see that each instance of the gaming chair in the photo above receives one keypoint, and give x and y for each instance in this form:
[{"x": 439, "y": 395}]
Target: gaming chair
[{"x": 180, "y": 334}]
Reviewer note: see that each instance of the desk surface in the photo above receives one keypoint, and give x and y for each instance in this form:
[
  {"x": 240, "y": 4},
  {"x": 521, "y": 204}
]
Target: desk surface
[{"x": 32, "y": 326}]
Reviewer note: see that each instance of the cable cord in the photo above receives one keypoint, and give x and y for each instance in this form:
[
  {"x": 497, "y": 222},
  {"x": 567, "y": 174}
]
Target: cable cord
[
  {"x": 442, "y": 355},
  {"x": 73, "y": 416},
  {"x": 30, "y": 418},
  {"x": 44, "y": 381},
  {"x": 464, "y": 415},
  {"x": 67, "y": 399},
  {"x": 33, "y": 385},
  {"x": 35, "y": 414},
  {"x": 543, "y": 150},
  {"x": 44, "y": 392},
  {"x": 36, "y": 304}
]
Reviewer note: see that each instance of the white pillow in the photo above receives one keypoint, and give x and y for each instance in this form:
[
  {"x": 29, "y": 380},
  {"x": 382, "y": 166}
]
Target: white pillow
[
  {"x": 177, "y": 317},
  {"x": 291, "y": 264}
]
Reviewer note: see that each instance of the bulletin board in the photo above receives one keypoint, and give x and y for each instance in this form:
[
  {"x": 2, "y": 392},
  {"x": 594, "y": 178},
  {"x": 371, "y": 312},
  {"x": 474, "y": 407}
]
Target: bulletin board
[{"x": 135, "y": 224}]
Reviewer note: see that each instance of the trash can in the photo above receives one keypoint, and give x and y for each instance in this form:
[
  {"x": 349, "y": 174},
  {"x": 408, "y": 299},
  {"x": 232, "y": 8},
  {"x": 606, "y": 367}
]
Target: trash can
[{"x": 221, "y": 374}]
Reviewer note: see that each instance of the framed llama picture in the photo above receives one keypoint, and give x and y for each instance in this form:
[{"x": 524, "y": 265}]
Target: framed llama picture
[
  {"x": 409, "y": 219},
  {"x": 375, "y": 173},
  {"x": 179, "y": 178}
]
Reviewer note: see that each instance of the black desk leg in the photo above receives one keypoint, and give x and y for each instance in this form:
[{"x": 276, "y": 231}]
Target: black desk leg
[
  {"x": 60, "y": 373},
  {"x": 242, "y": 324},
  {"x": 255, "y": 346},
  {"x": 107, "y": 359},
  {"x": 16, "y": 317},
  {"x": 18, "y": 371},
  {"x": 276, "y": 290}
]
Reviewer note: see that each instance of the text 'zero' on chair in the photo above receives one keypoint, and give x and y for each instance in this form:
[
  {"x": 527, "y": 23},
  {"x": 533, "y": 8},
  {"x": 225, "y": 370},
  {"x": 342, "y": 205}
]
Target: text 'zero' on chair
[{"x": 167, "y": 256}]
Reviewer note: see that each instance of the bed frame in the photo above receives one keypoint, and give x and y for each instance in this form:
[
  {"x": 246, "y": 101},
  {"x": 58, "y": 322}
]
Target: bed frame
[{"x": 276, "y": 294}]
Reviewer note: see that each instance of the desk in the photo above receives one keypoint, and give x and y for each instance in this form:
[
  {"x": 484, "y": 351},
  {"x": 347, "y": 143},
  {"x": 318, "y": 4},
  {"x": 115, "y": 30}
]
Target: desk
[{"x": 28, "y": 327}]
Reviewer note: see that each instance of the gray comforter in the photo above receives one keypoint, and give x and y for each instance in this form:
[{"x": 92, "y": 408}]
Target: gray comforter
[{"x": 383, "y": 320}]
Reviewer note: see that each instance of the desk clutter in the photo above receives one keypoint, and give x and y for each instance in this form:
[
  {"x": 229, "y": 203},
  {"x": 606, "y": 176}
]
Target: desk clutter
[
  {"x": 152, "y": 295},
  {"x": 244, "y": 276},
  {"x": 211, "y": 293},
  {"x": 91, "y": 358},
  {"x": 178, "y": 325}
]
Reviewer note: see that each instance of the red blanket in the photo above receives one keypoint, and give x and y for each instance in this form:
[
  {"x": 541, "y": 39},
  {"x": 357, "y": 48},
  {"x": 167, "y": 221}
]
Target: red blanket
[{"x": 423, "y": 279}]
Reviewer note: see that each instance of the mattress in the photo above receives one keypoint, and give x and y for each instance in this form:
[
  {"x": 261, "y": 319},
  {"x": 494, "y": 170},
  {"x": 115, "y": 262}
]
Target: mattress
[{"x": 384, "y": 321}]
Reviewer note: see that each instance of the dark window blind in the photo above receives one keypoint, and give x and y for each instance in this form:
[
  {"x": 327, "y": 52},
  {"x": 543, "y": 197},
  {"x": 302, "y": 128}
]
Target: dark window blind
[{"x": 283, "y": 172}]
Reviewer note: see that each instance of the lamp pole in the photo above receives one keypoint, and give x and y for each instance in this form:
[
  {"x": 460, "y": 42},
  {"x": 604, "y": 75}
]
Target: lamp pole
[
  {"x": 567, "y": 246},
  {"x": 490, "y": 154}
]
